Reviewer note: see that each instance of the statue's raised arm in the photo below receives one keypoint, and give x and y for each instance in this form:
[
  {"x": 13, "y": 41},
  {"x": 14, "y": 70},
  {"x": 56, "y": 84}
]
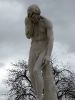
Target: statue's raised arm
[{"x": 28, "y": 28}]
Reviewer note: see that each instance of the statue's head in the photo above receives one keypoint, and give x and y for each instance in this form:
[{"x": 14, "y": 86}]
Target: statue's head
[{"x": 34, "y": 13}]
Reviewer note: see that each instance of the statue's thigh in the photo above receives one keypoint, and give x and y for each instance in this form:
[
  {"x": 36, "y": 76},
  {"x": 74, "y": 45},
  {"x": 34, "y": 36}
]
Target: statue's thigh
[
  {"x": 38, "y": 63},
  {"x": 32, "y": 60}
]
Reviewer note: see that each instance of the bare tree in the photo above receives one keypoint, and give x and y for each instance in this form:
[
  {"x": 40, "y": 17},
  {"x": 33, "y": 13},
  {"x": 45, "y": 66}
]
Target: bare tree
[{"x": 21, "y": 88}]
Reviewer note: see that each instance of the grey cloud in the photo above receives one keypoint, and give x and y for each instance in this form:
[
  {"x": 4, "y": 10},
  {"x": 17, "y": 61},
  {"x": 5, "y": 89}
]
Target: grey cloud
[
  {"x": 2, "y": 64},
  {"x": 3, "y": 92},
  {"x": 62, "y": 14},
  {"x": 12, "y": 38},
  {"x": 12, "y": 31},
  {"x": 13, "y": 42}
]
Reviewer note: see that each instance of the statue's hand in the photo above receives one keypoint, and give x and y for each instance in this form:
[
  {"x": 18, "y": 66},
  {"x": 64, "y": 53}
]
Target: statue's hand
[{"x": 46, "y": 60}]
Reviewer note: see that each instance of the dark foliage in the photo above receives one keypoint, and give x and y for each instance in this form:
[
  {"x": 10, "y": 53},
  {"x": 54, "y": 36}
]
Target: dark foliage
[{"x": 21, "y": 88}]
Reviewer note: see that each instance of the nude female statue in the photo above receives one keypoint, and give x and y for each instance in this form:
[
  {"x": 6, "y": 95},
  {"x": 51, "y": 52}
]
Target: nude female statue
[{"x": 40, "y": 31}]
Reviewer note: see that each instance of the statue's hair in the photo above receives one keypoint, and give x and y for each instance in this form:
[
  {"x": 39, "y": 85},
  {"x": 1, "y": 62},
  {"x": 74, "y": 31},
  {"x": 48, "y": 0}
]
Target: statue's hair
[{"x": 33, "y": 9}]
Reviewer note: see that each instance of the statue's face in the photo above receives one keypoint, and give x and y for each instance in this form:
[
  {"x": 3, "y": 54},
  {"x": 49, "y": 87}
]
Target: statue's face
[{"x": 35, "y": 17}]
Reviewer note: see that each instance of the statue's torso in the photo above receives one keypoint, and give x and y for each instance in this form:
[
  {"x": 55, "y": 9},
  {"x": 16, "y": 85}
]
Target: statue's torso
[
  {"x": 40, "y": 32},
  {"x": 39, "y": 39}
]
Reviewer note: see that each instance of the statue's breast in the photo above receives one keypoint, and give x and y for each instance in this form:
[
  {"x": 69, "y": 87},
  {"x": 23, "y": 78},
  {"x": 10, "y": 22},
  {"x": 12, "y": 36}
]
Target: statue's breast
[
  {"x": 41, "y": 27},
  {"x": 40, "y": 38},
  {"x": 40, "y": 32}
]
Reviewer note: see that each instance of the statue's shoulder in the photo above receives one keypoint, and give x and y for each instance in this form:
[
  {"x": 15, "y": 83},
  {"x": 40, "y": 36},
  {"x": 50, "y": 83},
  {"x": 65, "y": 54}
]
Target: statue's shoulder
[{"x": 47, "y": 22}]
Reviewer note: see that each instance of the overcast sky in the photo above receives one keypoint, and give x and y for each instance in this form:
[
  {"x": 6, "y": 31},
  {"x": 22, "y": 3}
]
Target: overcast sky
[{"x": 15, "y": 46}]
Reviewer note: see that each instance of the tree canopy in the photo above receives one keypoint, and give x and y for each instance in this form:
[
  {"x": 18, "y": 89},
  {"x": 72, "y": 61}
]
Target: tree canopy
[{"x": 21, "y": 88}]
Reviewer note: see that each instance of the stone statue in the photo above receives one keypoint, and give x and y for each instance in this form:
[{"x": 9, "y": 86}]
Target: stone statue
[{"x": 40, "y": 31}]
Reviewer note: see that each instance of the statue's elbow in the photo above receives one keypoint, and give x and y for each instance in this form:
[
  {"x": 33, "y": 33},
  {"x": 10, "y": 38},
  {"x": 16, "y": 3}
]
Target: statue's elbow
[{"x": 28, "y": 35}]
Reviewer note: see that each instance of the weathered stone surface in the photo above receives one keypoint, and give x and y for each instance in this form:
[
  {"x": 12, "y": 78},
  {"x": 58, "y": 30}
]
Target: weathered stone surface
[{"x": 40, "y": 31}]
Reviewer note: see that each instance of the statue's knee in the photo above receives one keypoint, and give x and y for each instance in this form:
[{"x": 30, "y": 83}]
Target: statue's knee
[
  {"x": 31, "y": 74},
  {"x": 35, "y": 71}
]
